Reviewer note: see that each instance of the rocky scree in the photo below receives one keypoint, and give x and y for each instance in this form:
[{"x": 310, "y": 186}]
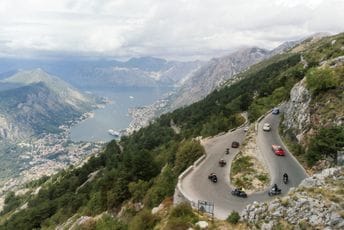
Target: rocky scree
[{"x": 318, "y": 203}]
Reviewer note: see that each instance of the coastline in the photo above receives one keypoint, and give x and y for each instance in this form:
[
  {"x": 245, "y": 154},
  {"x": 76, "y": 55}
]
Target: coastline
[
  {"x": 143, "y": 115},
  {"x": 49, "y": 153}
]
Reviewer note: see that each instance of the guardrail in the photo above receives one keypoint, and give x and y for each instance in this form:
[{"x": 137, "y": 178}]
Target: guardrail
[{"x": 179, "y": 195}]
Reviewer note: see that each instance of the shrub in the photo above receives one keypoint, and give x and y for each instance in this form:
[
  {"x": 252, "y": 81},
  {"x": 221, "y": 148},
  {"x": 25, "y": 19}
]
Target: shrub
[
  {"x": 326, "y": 143},
  {"x": 241, "y": 164},
  {"x": 177, "y": 224},
  {"x": 163, "y": 186},
  {"x": 138, "y": 189},
  {"x": 233, "y": 218},
  {"x": 145, "y": 220},
  {"x": 319, "y": 80},
  {"x": 187, "y": 153},
  {"x": 109, "y": 223},
  {"x": 181, "y": 217},
  {"x": 182, "y": 210}
]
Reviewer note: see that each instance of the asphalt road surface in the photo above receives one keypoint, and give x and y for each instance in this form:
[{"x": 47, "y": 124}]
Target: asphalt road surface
[{"x": 197, "y": 185}]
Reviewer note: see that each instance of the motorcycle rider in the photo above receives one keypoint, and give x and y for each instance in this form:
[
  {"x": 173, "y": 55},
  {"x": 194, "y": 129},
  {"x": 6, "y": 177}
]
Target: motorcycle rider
[
  {"x": 285, "y": 176},
  {"x": 274, "y": 187}
]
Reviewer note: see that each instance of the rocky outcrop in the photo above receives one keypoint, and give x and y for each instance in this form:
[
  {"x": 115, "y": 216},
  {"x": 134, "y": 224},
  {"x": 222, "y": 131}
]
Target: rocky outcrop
[
  {"x": 297, "y": 111},
  {"x": 317, "y": 204}
]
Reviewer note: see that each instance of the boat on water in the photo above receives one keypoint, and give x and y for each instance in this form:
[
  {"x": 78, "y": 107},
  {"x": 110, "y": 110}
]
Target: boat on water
[{"x": 113, "y": 133}]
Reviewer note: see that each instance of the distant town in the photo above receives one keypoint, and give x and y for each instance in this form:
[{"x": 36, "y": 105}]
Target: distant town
[
  {"x": 144, "y": 114},
  {"x": 51, "y": 153}
]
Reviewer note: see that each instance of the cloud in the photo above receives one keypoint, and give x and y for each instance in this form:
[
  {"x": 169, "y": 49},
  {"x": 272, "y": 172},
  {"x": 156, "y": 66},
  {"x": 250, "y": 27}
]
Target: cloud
[{"x": 173, "y": 29}]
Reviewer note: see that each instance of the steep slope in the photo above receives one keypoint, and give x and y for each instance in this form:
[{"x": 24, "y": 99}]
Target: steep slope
[
  {"x": 317, "y": 102},
  {"x": 39, "y": 103},
  {"x": 215, "y": 72},
  {"x": 32, "y": 110},
  {"x": 66, "y": 92}
]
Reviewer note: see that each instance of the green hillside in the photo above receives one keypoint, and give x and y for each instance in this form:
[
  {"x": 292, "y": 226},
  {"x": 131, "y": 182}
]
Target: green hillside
[{"x": 142, "y": 169}]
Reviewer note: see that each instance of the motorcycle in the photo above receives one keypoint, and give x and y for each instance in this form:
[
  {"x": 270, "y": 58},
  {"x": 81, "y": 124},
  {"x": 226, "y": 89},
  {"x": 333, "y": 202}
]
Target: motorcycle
[
  {"x": 227, "y": 151},
  {"x": 275, "y": 191},
  {"x": 285, "y": 180},
  {"x": 239, "y": 193},
  {"x": 222, "y": 163},
  {"x": 212, "y": 177}
]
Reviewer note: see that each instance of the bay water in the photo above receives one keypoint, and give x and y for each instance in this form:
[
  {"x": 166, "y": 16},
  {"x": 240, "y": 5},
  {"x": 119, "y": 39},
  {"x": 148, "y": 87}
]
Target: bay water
[{"x": 115, "y": 114}]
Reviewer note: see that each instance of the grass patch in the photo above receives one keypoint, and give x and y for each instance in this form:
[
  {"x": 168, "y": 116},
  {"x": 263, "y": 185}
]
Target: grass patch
[
  {"x": 245, "y": 175},
  {"x": 263, "y": 177},
  {"x": 334, "y": 198},
  {"x": 241, "y": 171},
  {"x": 242, "y": 164}
]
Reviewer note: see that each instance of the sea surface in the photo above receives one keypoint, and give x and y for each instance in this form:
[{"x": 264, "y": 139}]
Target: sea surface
[{"x": 115, "y": 114}]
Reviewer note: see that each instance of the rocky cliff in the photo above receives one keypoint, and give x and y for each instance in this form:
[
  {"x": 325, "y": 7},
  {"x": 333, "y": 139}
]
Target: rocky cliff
[
  {"x": 305, "y": 111},
  {"x": 297, "y": 111}
]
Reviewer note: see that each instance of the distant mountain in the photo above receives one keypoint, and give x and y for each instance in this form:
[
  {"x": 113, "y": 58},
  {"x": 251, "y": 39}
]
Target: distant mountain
[
  {"x": 284, "y": 47},
  {"x": 213, "y": 73},
  {"x": 218, "y": 70},
  {"x": 87, "y": 74},
  {"x": 149, "y": 64},
  {"x": 34, "y": 102},
  {"x": 137, "y": 72}
]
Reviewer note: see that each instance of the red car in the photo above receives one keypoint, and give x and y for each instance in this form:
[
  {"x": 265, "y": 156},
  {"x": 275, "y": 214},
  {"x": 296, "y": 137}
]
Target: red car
[{"x": 277, "y": 150}]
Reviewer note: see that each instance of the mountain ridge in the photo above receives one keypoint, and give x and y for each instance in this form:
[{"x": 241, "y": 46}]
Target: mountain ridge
[{"x": 39, "y": 99}]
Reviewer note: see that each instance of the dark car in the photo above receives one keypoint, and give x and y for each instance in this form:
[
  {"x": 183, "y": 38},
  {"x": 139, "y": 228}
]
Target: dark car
[
  {"x": 222, "y": 162},
  {"x": 212, "y": 177},
  {"x": 238, "y": 192},
  {"x": 275, "y": 111},
  {"x": 235, "y": 144}
]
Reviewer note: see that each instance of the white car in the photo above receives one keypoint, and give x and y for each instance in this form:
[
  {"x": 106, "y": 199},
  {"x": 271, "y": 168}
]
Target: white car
[{"x": 266, "y": 127}]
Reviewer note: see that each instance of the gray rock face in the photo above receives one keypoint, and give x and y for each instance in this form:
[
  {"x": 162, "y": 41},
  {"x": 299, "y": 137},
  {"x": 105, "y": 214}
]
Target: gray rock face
[
  {"x": 297, "y": 114},
  {"x": 215, "y": 72},
  {"x": 319, "y": 179},
  {"x": 300, "y": 206}
]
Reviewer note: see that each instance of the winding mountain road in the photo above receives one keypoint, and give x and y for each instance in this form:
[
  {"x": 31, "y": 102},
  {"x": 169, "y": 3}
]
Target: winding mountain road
[{"x": 197, "y": 186}]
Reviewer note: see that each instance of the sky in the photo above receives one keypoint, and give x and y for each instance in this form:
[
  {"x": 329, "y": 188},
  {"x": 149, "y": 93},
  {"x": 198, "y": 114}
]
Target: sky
[{"x": 173, "y": 29}]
